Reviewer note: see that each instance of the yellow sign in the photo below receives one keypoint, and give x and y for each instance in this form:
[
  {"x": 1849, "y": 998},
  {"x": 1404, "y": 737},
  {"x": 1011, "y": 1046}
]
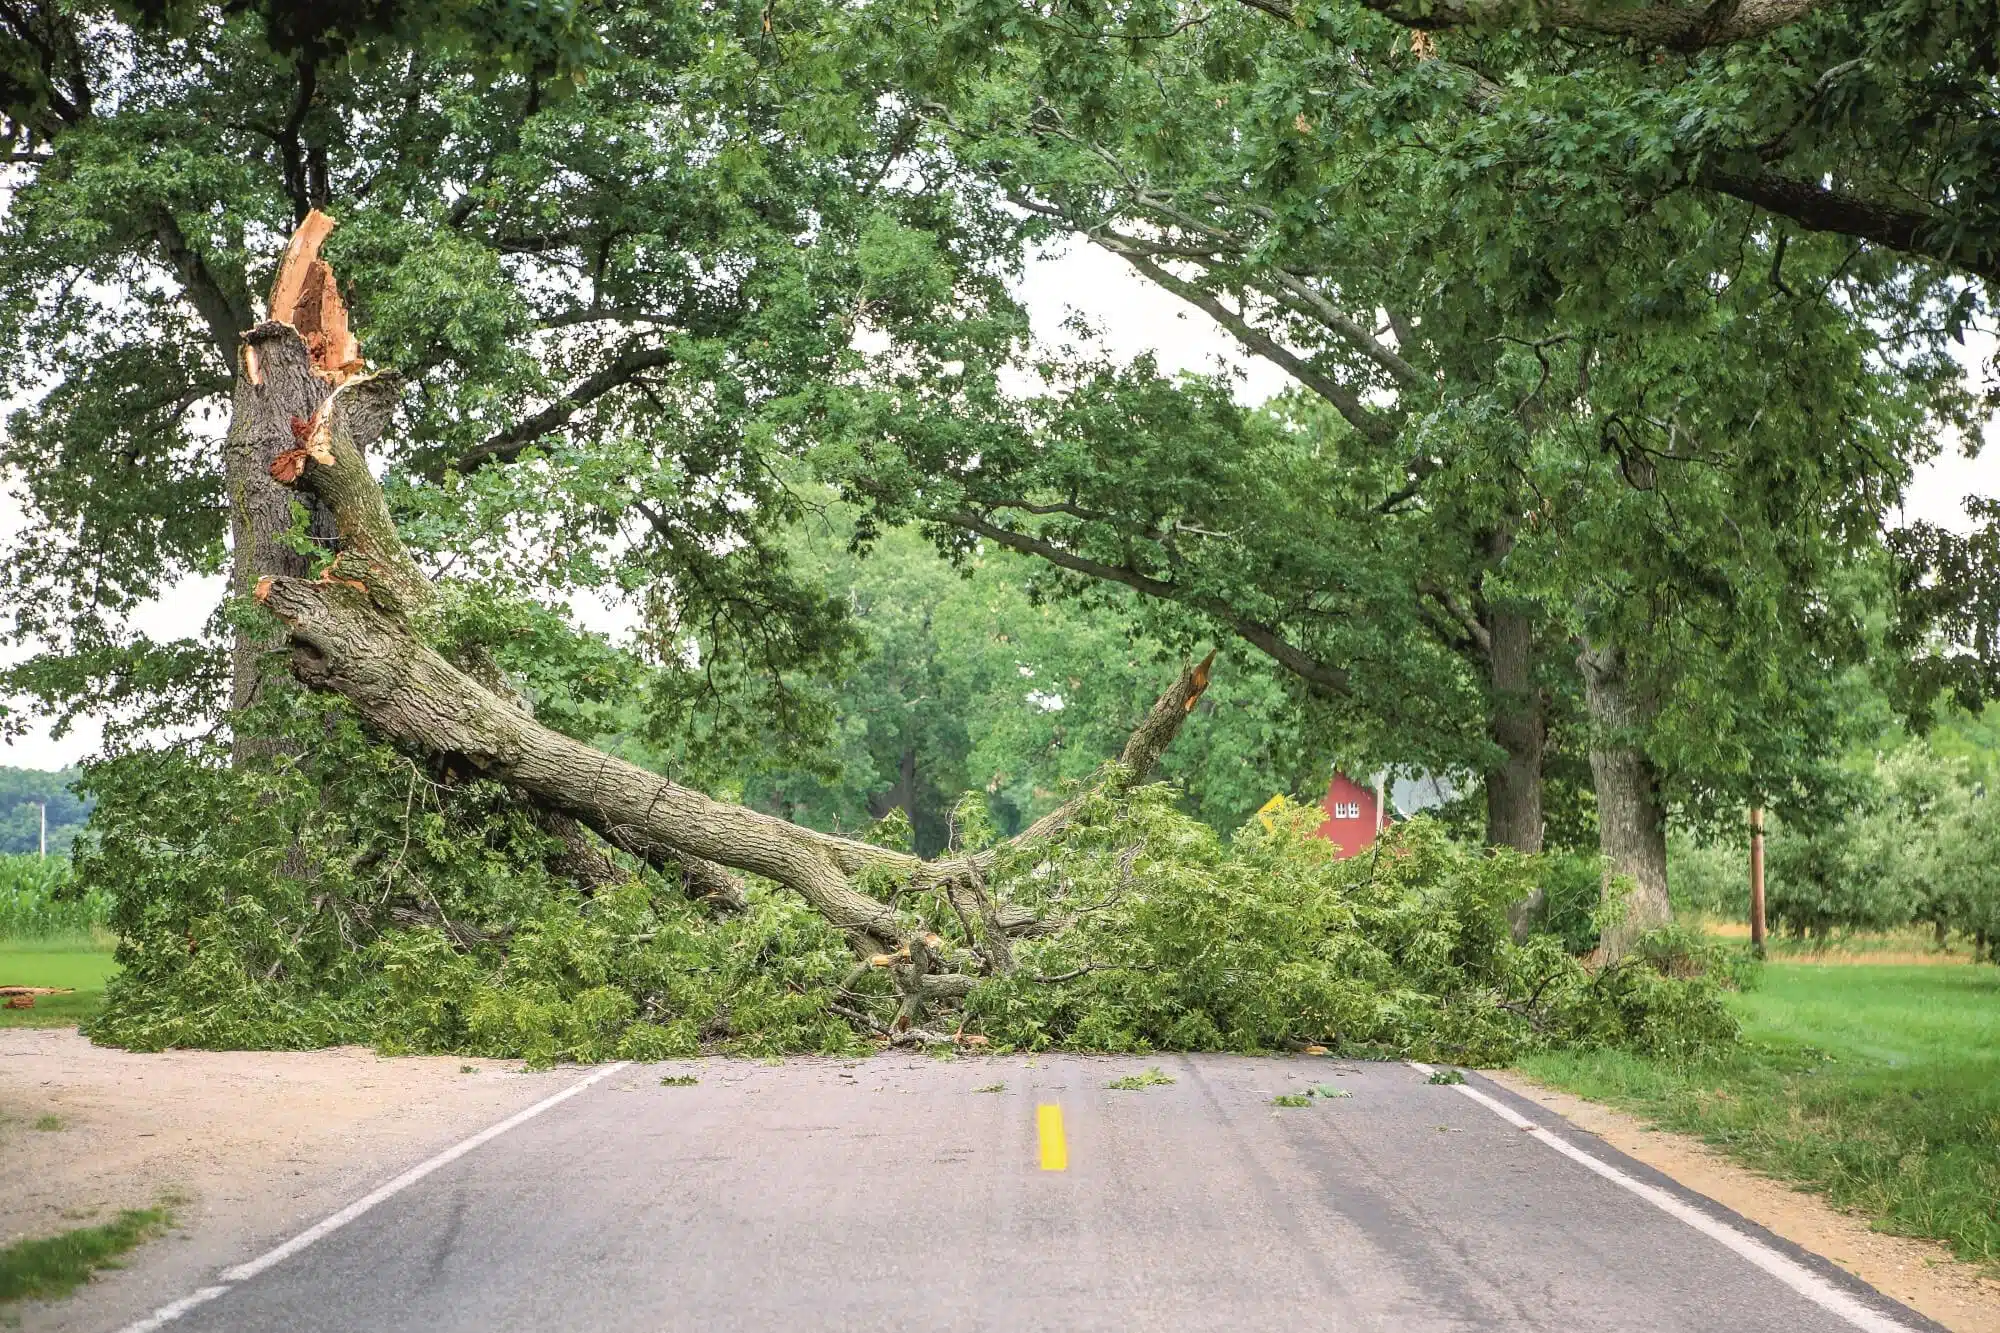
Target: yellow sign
[{"x": 1276, "y": 805}]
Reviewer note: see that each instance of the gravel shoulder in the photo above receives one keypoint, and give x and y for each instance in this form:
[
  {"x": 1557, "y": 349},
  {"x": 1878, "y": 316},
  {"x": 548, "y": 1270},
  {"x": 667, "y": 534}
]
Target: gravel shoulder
[
  {"x": 253, "y": 1146},
  {"x": 1922, "y": 1274}
]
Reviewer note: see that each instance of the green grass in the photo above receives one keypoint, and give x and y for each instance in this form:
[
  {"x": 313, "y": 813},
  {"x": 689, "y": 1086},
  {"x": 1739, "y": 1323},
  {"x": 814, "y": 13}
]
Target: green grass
[
  {"x": 1878, "y": 1086},
  {"x": 57, "y": 1265},
  {"x": 82, "y": 962}
]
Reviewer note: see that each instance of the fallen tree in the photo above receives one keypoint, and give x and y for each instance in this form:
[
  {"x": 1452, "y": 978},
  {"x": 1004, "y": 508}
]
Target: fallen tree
[
  {"x": 410, "y": 876},
  {"x": 307, "y": 409}
]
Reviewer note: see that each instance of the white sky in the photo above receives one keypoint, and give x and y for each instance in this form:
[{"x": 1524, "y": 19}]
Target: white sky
[{"x": 1132, "y": 316}]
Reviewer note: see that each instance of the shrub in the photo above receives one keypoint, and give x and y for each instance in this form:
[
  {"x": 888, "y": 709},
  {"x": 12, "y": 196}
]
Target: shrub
[{"x": 1710, "y": 877}]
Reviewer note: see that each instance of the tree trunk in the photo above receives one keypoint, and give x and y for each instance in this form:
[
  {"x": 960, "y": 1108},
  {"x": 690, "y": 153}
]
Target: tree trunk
[
  {"x": 1631, "y": 822},
  {"x": 1518, "y": 724}
]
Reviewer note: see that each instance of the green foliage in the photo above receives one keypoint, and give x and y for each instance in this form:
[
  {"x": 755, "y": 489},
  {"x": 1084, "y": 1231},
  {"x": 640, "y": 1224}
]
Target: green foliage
[
  {"x": 1710, "y": 876},
  {"x": 679, "y": 1081},
  {"x": 56, "y": 1265},
  {"x": 974, "y": 682},
  {"x": 392, "y": 915},
  {"x": 1151, "y": 1078},
  {"x": 1292, "y": 1099},
  {"x": 1572, "y": 899},
  {"x": 1181, "y": 941},
  {"x": 1445, "y": 1077},
  {"x": 415, "y": 911},
  {"x": 1921, "y": 842},
  {"x": 1878, "y": 1086}
]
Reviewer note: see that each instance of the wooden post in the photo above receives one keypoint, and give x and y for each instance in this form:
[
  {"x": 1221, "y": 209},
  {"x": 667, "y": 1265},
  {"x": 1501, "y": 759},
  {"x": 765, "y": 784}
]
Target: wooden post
[{"x": 1757, "y": 880}]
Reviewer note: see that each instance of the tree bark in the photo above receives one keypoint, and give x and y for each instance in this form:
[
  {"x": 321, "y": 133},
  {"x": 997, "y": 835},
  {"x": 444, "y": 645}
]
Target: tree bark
[
  {"x": 268, "y": 398},
  {"x": 1631, "y": 820}
]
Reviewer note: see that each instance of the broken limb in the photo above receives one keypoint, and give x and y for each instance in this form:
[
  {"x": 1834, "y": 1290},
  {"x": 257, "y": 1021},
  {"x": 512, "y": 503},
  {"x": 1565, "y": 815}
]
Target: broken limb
[{"x": 363, "y": 636}]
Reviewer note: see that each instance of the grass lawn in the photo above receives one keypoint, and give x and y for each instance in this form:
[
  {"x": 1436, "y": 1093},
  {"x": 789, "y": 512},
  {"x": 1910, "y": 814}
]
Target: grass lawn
[
  {"x": 1876, "y": 1085},
  {"x": 57, "y": 1265},
  {"x": 82, "y": 963}
]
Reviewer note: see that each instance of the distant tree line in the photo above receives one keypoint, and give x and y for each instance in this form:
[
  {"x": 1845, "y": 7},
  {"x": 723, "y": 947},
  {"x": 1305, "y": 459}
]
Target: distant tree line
[{"x": 21, "y": 790}]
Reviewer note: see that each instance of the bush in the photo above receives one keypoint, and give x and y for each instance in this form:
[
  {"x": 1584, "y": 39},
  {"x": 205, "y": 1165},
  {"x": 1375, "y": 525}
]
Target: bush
[
  {"x": 416, "y": 912},
  {"x": 1962, "y": 886},
  {"x": 1832, "y": 879},
  {"x": 1925, "y": 846}
]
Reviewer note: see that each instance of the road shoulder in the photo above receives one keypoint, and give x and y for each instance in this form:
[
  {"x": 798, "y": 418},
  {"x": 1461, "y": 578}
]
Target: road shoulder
[
  {"x": 1921, "y": 1274},
  {"x": 246, "y": 1147}
]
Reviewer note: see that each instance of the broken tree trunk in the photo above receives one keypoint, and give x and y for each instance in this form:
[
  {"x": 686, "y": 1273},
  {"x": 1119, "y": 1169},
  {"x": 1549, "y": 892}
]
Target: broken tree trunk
[
  {"x": 302, "y": 396},
  {"x": 271, "y": 405},
  {"x": 359, "y": 630}
]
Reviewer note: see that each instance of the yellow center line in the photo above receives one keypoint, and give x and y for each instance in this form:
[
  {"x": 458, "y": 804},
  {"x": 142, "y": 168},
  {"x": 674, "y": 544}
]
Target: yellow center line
[{"x": 1055, "y": 1146}]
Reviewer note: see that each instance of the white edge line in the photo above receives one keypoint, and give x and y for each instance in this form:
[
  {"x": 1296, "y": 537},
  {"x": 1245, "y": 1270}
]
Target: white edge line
[
  {"x": 1782, "y": 1267},
  {"x": 168, "y": 1313},
  {"x": 244, "y": 1272}
]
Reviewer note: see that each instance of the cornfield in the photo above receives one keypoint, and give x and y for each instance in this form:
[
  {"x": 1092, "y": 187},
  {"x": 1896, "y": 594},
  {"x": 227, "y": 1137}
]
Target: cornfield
[{"x": 34, "y": 903}]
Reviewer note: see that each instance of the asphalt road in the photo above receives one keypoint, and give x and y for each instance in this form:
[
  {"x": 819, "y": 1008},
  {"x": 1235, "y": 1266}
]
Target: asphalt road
[{"x": 896, "y": 1194}]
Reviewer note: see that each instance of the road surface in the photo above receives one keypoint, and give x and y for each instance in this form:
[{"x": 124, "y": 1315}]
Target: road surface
[{"x": 901, "y": 1193}]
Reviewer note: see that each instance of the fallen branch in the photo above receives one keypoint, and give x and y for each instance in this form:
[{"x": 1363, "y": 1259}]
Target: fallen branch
[{"x": 359, "y": 631}]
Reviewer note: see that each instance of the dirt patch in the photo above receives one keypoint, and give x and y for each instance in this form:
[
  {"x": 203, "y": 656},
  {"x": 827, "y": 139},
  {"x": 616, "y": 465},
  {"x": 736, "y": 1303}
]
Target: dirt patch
[
  {"x": 253, "y": 1146},
  {"x": 1921, "y": 1274}
]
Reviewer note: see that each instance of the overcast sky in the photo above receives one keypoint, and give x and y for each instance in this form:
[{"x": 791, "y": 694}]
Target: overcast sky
[{"x": 1133, "y": 316}]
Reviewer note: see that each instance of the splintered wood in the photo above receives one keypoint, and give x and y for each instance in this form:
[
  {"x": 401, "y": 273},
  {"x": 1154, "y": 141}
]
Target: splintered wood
[{"x": 305, "y": 297}]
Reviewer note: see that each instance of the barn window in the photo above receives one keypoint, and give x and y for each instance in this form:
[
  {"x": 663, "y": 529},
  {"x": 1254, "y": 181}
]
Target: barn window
[{"x": 1347, "y": 810}]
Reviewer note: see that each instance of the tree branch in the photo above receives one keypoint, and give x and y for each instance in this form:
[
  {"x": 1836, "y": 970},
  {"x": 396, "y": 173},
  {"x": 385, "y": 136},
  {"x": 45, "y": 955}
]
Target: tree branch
[
  {"x": 1676, "y": 26},
  {"x": 224, "y": 307},
  {"x": 507, "y": 445},
  {"x": 1264, "y": 638},
  {"x": 1817, "y": 208},
  {"x": 1372, "y": 425}
]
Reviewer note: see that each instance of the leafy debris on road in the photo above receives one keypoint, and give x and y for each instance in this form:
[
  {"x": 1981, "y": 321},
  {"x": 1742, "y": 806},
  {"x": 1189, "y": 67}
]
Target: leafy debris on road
[
  {"x": 1152, "y": 1078},
  {"x": 679, "y": 1081},
  {"x": 1445, "y": 1077}
]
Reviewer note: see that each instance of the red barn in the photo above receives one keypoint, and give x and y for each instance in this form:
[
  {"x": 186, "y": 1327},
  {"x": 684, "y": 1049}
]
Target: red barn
[{"x": 1353, "y": 815}]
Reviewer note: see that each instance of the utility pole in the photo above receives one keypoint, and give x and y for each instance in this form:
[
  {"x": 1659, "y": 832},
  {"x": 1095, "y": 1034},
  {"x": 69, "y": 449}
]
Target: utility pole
[
  {"x": 43, "y": 808},
  {"x": 1757, "y": 880}
]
